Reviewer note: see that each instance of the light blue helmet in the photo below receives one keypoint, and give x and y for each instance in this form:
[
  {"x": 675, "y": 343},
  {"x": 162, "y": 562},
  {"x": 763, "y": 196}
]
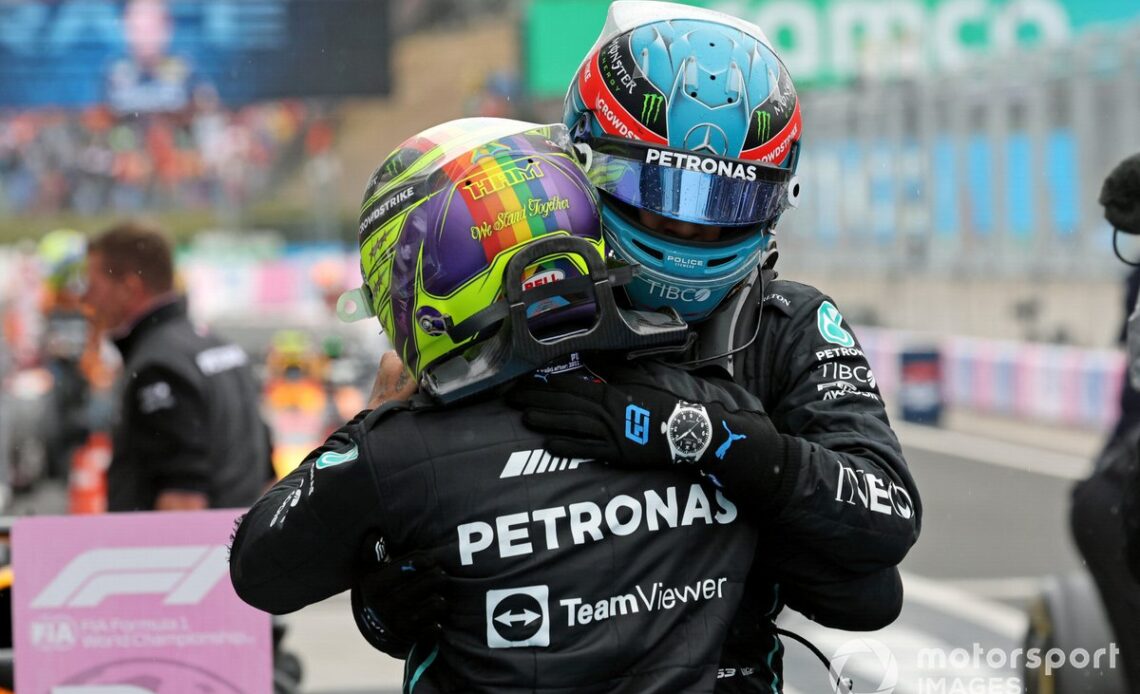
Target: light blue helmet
[{"x": 688, "y": 114}]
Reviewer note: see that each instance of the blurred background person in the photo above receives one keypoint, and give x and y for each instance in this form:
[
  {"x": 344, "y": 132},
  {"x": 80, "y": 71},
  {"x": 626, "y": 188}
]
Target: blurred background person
[
  {"x": 296, "y": 399},
  {"x": 188, "y": 434},
  {"x": 64, "y": 343},
  {"x": 1097, "y": 516}
]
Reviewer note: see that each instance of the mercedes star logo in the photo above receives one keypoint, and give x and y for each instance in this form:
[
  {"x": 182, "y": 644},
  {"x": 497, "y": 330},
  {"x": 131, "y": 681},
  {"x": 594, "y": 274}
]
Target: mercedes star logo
[{"x": 706, "y": 137}]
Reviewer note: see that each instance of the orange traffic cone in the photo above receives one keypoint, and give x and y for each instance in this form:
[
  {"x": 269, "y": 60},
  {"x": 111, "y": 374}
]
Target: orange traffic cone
[{"x": 88, "y": 481}]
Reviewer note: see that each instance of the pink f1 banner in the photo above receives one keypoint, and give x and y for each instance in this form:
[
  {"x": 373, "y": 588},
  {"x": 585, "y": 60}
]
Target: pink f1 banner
[{"x": 133, "y": 603}]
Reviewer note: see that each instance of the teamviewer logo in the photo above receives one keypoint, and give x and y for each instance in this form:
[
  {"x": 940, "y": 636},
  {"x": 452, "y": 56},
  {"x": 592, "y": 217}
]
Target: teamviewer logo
[
  {"x": 637, "y": 424},
  {"x": 518, "y": 617}
]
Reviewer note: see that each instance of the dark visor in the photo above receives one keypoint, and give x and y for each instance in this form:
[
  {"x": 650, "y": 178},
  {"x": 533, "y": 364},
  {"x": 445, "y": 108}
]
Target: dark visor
[{"x": 689, "y": 186}]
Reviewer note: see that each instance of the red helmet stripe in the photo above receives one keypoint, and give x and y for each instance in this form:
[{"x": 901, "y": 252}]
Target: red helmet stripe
[
  {"x": 777, "y": 149},
  {"x": 591, "y": 86}
]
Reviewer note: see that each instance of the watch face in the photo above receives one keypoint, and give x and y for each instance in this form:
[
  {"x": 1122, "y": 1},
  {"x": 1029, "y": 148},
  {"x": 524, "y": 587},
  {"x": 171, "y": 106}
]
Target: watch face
[{"x": 689, "y": 431}]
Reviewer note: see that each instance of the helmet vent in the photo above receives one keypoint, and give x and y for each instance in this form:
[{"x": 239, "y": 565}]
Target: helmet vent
[
  {"x": 646, "y": 249},
  {"x": 720, "y": 261},
  {"x": 689, "y": 72},
  {"x": 735, "y": 85}
]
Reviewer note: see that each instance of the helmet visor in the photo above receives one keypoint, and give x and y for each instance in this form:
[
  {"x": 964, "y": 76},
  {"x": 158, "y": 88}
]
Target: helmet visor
[{"x": 689, "y": 186}]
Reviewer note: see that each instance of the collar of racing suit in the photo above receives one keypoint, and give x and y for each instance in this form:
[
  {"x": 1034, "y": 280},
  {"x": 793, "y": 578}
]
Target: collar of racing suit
[
  {"x": 161, "y": 313},
  {"x": 731, "y": 328}
]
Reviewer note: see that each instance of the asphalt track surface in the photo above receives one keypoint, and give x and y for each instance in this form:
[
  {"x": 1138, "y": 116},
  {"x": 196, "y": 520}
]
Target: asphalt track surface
[{"x": 995, "y": 525}]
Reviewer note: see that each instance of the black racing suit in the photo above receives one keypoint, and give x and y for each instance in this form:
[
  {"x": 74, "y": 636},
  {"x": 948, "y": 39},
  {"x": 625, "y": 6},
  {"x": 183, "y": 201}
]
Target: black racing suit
[
  {"x": 847, "y": 510},
  {"x": 189, "y": 418},
  {"x": 564, "y": 575},
  {"x": 1105, "y": 516}
]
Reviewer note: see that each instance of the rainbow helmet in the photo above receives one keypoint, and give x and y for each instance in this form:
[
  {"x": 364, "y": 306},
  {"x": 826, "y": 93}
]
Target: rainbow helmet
[{"x": 456, "y": 223}]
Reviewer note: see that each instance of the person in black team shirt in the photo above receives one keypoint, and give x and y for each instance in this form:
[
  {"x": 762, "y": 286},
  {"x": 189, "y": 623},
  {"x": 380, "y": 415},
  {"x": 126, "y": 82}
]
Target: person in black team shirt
[
  {"x": 692, "y": 182},
  {"x": 1105, "y": 513},
  {"x": 562, "y": 574},
  {"x": 189, "y": 434}
]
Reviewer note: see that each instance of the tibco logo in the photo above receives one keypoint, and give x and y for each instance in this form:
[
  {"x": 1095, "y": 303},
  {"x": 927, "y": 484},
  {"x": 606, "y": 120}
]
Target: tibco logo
[
  {"x": 183, "y": 575},
  {"x": 845, "y": 372},
  {"x": 674, "y": 293}
]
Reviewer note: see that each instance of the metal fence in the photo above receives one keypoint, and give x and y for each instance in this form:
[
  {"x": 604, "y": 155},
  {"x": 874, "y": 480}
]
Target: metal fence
[{"x": 994, "y": 171}]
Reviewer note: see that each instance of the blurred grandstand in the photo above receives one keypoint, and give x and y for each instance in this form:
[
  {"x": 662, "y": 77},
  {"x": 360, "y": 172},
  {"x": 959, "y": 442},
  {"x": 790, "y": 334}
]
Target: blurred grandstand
[
  {"x": 96, "y": 161},
  {"x": 207, "y": 153}
]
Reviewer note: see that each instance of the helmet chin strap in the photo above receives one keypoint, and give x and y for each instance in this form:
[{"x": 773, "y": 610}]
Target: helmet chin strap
[
  {"x": 727, "y": 330},
  {"x": 513, "y": 350},
  {"x": 716, "y": 340},
  {"x": 1116, "y": 249}
]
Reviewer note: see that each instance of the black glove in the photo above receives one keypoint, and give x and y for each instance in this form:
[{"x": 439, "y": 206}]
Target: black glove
[
  {"x": 636, "y": 421},
  {"x": 397, "y": 601}
]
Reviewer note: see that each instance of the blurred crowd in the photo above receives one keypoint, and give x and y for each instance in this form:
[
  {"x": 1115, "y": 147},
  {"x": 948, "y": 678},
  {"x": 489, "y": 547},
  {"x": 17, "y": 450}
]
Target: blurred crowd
[{"x": 95, "y": 161}]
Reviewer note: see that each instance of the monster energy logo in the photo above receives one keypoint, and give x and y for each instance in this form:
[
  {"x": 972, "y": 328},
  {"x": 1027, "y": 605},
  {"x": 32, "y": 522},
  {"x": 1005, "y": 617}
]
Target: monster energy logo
[
  {"x": 650, "y": 107},
  {"x": 763, "y": 125}
]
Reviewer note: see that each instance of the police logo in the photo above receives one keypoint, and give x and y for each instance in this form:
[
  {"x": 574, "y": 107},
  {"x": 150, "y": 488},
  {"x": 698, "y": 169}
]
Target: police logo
[
  {"x": 706, "y": 137},
  {"x": 518, "y": 617}
]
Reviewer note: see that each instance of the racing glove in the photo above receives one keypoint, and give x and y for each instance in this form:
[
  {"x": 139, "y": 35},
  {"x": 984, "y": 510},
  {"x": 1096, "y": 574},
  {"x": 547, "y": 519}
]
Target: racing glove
[
  {"x": 398, "y": 601},
  {"x": 634, "y": 420}
]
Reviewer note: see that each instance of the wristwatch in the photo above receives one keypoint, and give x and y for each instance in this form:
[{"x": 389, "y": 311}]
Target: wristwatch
[{"x": 688, "y": 431}]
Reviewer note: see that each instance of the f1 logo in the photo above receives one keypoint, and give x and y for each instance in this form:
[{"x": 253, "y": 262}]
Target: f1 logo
[
  {"x": 637, "y": 424},
  {"x": 100, "y": 690},
  {"x": 184, "y": 575}
]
